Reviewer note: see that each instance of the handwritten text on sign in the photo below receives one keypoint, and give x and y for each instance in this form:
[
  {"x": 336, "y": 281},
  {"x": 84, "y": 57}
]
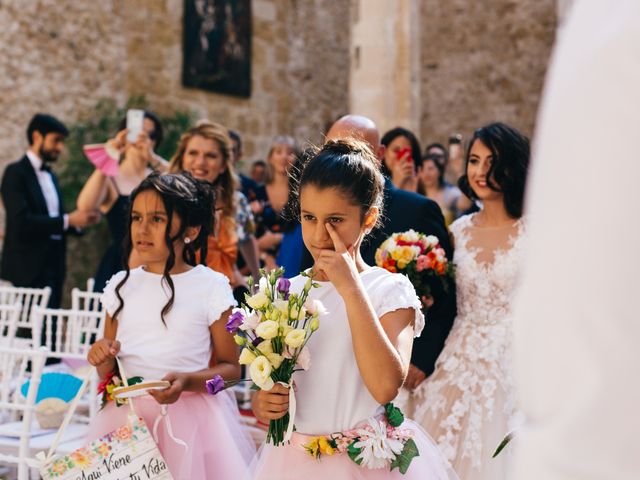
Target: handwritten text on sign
[{"x": 128, "y": 453}]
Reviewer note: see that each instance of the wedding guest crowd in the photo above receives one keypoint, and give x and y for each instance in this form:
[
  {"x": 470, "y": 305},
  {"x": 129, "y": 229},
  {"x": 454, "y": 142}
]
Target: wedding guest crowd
[{"x": 456, "y": 381}]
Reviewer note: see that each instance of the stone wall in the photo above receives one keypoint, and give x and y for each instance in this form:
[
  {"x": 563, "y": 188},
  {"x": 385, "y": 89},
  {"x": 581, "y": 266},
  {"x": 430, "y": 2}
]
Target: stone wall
[
  {"x": 483, "y": 61},
  {"x": 62, "y": 56}
]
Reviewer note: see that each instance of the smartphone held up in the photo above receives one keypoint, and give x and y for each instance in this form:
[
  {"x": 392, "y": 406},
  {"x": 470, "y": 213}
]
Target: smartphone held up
[{"x": 135, "y": 124}]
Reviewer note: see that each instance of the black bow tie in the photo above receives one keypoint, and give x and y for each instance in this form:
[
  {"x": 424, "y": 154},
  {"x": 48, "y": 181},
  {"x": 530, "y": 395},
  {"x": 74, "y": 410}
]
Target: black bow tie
[{"x": 45, "y": 167}]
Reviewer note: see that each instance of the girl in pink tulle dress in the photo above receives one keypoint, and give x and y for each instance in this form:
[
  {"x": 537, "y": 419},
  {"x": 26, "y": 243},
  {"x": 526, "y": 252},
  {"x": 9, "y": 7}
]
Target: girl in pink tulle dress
[
  {"x": 362, "y": 349},
  {"x": 162, "y": 320}
]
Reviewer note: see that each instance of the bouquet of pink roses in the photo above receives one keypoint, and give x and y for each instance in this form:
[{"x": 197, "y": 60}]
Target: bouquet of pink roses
[
  {"x": 418, "y": 256},
  {"x": 273, "y": 329}
]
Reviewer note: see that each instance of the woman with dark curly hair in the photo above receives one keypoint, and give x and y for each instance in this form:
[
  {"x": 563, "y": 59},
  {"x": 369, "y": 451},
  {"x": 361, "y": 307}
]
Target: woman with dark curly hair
[{"x": 467, "y": 404}]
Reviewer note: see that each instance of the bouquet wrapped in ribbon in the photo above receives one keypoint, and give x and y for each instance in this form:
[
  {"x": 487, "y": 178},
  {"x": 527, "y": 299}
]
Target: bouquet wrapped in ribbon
[
  {"x": 420, "y": 257},
  {"x": 273, "y": 329}
]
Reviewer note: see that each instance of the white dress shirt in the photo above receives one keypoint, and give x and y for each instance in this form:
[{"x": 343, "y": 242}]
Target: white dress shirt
[
  {"x": 48, "y": 189},
  {"x": 577, "y": 320}
]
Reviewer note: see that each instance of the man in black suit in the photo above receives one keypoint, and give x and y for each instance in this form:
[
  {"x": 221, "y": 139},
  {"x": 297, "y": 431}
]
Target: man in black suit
[
  {"x": 403, "y": 211},
  {"x": 33, "y": 253}
]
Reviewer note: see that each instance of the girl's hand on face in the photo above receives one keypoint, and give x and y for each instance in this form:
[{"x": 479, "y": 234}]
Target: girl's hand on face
[
  {"x": 272, "y": 404},
  {"x": 103, "y": 351},
  {"x": 172, "y": 394},
  {"x": 338, "y": 265}
]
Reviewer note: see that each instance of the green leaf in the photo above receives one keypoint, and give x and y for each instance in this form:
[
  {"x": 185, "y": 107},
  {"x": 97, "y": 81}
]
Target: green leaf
[
  {"x": 505, "y": 441},
  {"x": 402, "y": 461},
  {"x": 394, "y": 415},
  {"x": 134, "y": 380},
  {"x": 353, "y": 452}
]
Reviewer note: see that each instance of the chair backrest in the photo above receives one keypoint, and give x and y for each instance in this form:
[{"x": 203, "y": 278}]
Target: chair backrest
[
  {"x": 85, "y": 300},
  {"x": 67, "y": 333},
  {"x": 9, "y": 315},
  {"x": 13, "y": 370},
  {"x": 28, "y": 298}
]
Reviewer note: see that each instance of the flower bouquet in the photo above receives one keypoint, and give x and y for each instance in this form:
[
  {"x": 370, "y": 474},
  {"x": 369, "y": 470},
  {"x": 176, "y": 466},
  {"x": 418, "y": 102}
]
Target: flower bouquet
[
  {"x": 273, "y": 329},
  {"x": 378, "y": 443},
  {"x": 112, "y": 381},
  {"x": 418, "y": 256}
]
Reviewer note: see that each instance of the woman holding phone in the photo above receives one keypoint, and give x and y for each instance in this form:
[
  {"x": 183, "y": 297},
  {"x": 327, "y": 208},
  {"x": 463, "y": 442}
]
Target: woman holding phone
[
  {"x": 111, "y": 194},
  {"x": 402, "y": 159}
]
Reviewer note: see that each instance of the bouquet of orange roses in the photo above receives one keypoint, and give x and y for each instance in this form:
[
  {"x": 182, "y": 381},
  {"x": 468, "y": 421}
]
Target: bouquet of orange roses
[{"x": 418, "y": 256}]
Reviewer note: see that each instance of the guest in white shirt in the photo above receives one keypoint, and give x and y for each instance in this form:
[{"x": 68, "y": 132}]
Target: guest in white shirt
[{"x": 34, "y": 244}]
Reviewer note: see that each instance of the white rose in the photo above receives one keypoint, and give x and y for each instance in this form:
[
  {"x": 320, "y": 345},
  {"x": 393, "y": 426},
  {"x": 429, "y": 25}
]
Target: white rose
[
  {"x": 263, "y": 284},
  {"x": 295, "y": 338},
  {"x": 433, "y": 240},
  {"x": 260, "y": 372},
  {"x": 265, "y": 347},
  {"x": 314, "y": 307},
  {"x": 258, "y": 301},
  {"x": 282, "y": 306},
  {"x": 304, "y": 359},
  {"x": 285, "y": 330},
  {"x": 275, "y": 359},
  {"x": 411, "y": 236},
  {"x": 246, "y": 357},
  {"x": 267, "y": 329}
]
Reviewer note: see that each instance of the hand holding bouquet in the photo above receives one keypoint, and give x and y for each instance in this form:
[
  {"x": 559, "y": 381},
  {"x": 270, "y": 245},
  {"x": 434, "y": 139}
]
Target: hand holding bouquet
[
  {"x": 273, "y": 329},
  {"x": 419, "y": 257}
]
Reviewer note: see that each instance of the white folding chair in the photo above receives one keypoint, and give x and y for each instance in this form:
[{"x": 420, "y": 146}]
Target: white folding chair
[
  {"x": 9, "y": 315},
  {"x": 88, "y": 301},
  {"x": 28, "y": 298},
  {"x": 13, "y": 366},
  {"x": 69, "y": 335}
]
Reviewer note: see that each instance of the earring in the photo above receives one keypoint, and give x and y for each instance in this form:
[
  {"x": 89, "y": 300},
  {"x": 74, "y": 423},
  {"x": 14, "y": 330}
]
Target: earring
[{"x": 187, "y": 240}]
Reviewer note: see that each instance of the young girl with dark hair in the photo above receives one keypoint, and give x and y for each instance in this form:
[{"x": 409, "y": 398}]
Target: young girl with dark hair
[
  {"x": 468, "y": 403},
  {"x": 163, "y": 320},
  {"x": 361, "y": 352}
]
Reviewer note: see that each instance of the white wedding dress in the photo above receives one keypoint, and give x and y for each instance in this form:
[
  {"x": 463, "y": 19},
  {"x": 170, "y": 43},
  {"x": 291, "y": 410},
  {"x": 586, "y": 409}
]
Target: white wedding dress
[{"x": 467, "y": 405}]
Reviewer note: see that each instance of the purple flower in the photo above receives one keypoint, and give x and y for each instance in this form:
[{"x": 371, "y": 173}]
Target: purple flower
[
  {"x": 234, "y": 322},
  {"x": 215, "y": 385},
  {"x": 283, "y": 287}
]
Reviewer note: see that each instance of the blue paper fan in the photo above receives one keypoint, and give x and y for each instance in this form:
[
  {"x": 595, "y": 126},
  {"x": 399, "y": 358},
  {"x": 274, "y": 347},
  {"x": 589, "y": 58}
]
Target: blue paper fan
[{"x": 55, "y": 385}]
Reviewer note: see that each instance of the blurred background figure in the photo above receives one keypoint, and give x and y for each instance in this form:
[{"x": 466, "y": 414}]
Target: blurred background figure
[
  {"x": 258, "y": 171},
  {"x": 402, "y": 159},
  {"x": 272, "y": 198},
  {"x": 110, "y": 195},
  {"x": 205, "y": 151},
  {"x": 449, "y": 198},
  {"x": 576, "y": 318},
  {"x": 34, "y": 251}
]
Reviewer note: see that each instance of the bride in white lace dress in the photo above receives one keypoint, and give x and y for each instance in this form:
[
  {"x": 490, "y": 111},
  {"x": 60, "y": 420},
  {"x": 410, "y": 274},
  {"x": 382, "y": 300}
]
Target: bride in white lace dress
[{"x": 467, "y": 404}]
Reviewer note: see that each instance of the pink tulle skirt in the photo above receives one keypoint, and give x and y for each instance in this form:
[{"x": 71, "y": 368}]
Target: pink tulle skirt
[
  {"x": 217, "y": 445},
  {"x": 292, "y": 462}
]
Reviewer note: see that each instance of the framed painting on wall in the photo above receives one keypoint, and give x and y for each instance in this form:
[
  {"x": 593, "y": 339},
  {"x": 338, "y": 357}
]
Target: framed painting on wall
[{"x": 217, "y": 46}]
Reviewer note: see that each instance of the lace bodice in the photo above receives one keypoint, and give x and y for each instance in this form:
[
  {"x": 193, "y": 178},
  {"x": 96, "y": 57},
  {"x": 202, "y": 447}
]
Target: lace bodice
[{"x": 487, "y": 263}]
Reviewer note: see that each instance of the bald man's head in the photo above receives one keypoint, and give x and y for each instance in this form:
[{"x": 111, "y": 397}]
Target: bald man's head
[{"x": 356, "y": 126}]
